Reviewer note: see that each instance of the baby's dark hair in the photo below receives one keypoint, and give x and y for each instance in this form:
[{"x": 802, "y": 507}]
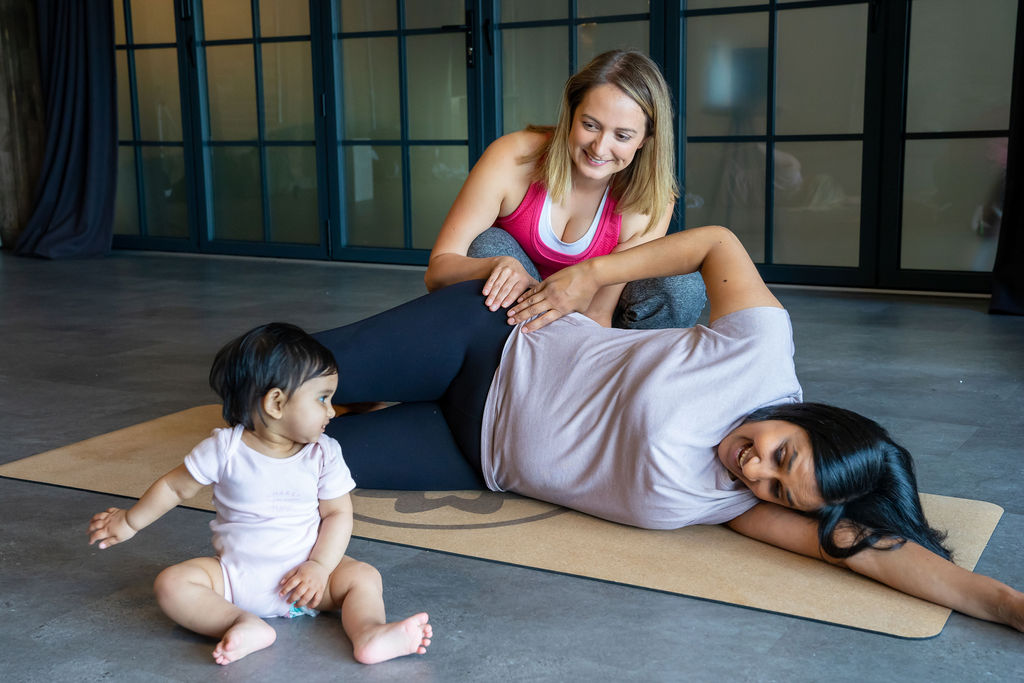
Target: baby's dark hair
[
  {"x": 276, "y": 355},
  {"x": 865, "y": 477}
]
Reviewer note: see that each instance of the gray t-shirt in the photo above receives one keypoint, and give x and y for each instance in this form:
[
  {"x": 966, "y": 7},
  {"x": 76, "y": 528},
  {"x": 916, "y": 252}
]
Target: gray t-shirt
[{"x": 622, "y": 424}]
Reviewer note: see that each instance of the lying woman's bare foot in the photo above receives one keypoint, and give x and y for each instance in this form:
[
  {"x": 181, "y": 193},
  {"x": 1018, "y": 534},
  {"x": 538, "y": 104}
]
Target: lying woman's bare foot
[
  {"x": 247, "y": 635},
  {"x": 406, "y": 637}
]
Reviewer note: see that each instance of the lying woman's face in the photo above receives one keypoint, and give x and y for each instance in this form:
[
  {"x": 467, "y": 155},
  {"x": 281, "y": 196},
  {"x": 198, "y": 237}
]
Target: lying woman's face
[{"x": 774, "y": 459}]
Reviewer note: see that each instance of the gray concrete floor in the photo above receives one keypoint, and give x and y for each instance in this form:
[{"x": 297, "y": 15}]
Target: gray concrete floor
[{"x": 92, "y": 346}]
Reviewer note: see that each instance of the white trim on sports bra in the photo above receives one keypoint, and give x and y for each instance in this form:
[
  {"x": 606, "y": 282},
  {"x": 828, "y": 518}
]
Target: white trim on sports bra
[{"x": 547, "y": 234}]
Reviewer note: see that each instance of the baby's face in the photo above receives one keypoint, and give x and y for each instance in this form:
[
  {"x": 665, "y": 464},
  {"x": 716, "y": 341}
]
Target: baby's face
[{"x": 309, "y": 409}]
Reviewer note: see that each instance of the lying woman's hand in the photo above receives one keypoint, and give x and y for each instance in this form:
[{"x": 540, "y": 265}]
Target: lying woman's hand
[
  {"x": 569, "y": 290},
  {"x": 507, "y": 283}
]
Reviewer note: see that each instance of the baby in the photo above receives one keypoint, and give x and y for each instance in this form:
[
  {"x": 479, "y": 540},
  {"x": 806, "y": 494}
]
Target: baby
[{"x": 284, "y": 514}]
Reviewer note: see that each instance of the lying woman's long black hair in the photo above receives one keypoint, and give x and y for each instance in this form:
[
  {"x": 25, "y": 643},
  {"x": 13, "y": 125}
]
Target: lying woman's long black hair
[{"x": 866, "y": 479}]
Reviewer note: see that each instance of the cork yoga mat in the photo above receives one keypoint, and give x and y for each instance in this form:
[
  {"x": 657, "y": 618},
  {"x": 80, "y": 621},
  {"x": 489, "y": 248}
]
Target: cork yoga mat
[{"x": 707, "y": 562}]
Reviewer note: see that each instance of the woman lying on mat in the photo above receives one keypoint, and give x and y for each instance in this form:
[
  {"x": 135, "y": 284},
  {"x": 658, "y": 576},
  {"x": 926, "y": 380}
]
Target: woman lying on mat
[
  {"x": 654, "y": 428},
  {"x": 602, "y": 180}
]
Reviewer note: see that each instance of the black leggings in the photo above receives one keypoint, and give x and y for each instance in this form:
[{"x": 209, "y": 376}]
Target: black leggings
[{"x": 436, "y": 356}]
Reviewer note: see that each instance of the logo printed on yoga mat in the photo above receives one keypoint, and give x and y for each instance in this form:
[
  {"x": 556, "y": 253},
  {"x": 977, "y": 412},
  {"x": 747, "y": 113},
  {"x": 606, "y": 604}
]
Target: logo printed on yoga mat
[{"x": 450, "y": 509}]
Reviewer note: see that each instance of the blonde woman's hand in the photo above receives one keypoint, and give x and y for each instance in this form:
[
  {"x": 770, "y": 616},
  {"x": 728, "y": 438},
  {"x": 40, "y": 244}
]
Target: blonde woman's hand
[
  {"x": 569, "y": 290},
  {"x": 507, "y": 283},
  {"x": 110, "y": 528}
]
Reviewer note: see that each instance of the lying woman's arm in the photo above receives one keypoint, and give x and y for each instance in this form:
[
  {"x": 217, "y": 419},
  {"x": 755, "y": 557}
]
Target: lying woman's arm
[
  {"x": 730, "y": 277},
  {"x": 910, "y": 568}
]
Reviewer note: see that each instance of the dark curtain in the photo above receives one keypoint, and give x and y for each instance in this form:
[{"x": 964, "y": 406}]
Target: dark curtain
[
  {"x": 74, "y": 209},
  {"x": 1008, "y": 271}
]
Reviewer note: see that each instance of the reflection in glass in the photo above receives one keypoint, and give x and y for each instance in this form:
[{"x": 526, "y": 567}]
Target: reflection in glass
[
  {"x": 126, "y": 202},
  {"x": 284, "y": 18},
  {"x": 156, "y": 82},
  {"x": 163, "y": 176},
  {"x": 366, "y": 15},
  {"x": 236, "y": 194},
  {"x": 436, "y": 174},
  {"x": 153, "y": 21},
  {"x": 817, "y": 203},
  {"x": 961, "y": 65},
  {"x": 725, "y": 186},
  {"x": 437, "y": 86},
  {"x": 727, "y": 74},
  {"x": 225, "y": 19},
  {"x": 535, "y": 66},
  {"x": 124, "y": 97},
  {"x": 434, "y": 13},
  {"x": 370, "y": 68},
  {"x": 120, "y": 37},
  {"x": 533, "y": 10},
  {"x": 288, "y": 91},
  {"x": 820, "y": 70},
  {"x": 952, "y": 203},
  {"x": 597, "y": 38},
  {"x": 603, "y": 8},
  {"x": 291, "y": 186},
  {"x": 231, "y": 90},
  {"x": 373, "y": 193}
]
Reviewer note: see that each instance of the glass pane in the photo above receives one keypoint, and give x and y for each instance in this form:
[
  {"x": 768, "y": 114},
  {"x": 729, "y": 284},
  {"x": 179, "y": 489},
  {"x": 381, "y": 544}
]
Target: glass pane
[
  {"x": 291, "y": 184},
  {"x": 366, "y": 15},
  {"x": 235, "y": 193},
  {"x": 374, "y": 196},
  {"x": 597, "y": 38},
  {"x": 725, "y": 186},
  {"x": 714, "y": 4},
  {"x": 533, "y": 10},
  {"x": 153, "y": 21},
  {"x": 727, "y": 74},
  {"x": 436, "y": 175},
  {"x": 126, "y": 203},
  {"x": 231, "y": 91},
  {"x": 434, "y": 13},
  {"x": 288, "y": 91},
  {"x": 961, "y": 63},
  {"x": 370, "y": 67},
  {"x": 602, "y": 8},
  {"x": 284, "y": 18},
  {"x": 817, "y": 203},
  {"x": 437, "y": 86},
  {"x": 820, "y": 82},
  {"x": 163, "y": 174},
  {"x": 225, "y": 19},
  {"x": 532, "y": 78},
  {"x": 156, "y": 83},
  {"x": 952, "y": 203},
  {"x": 120, "y": 37},
  {"x": 124, "y": 97}
]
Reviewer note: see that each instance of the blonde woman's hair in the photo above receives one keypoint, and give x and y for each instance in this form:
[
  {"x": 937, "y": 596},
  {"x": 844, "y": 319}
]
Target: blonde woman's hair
[{"x": 648, "y": 184}]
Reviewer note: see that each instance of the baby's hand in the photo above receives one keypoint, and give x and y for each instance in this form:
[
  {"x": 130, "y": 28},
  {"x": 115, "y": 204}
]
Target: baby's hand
[
  {"x": 110, "y": 527},
  {"x": 304, "y": 586}
]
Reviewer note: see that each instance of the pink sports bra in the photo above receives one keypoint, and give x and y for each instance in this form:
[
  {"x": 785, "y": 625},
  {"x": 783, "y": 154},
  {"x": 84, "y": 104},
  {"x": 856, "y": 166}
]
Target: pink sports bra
[{"x": 524, "y": 225}]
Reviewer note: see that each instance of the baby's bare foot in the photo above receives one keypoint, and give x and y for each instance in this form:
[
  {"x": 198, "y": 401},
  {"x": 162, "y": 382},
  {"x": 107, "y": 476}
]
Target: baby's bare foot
[
  {"x": 247, "y": 635},
  {"x": 406, "y": 637}
]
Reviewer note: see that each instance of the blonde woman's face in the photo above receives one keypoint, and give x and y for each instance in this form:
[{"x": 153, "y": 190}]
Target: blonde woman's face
[{"x": 607, "y": 130}]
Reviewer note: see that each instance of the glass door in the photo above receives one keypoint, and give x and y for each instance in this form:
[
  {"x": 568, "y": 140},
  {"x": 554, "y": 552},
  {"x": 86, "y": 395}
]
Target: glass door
[
  {"x": 258, "y": 128},
  {"x": 953, "y": 142},
  {"x": 775, "y": 133},
  {"x": 404, "y": 122}
]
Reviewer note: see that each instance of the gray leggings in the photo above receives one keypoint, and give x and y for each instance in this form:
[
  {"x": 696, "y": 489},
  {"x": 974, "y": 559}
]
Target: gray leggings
[{"x": 655, "y": 303}]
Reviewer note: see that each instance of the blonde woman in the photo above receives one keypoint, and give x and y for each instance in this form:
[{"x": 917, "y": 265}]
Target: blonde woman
[{"x": 602, "y": 180}]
